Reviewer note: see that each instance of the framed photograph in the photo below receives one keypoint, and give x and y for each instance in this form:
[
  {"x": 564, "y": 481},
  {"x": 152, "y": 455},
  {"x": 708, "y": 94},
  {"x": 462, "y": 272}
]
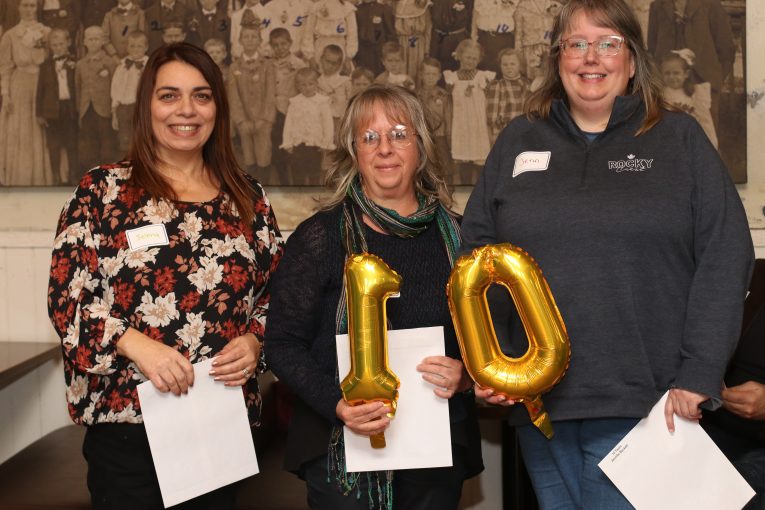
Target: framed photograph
[{"x": 69, "y": 70}]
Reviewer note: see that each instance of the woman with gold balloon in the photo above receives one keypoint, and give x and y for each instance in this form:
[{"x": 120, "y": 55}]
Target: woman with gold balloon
[
  {"x": 630, "y": 213},
  {"x": 390, "y": 203}
]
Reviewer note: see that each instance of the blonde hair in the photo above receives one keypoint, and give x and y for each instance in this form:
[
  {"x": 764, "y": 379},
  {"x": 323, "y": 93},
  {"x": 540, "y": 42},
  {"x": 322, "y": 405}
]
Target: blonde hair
[{"x": 402, "y": 106}]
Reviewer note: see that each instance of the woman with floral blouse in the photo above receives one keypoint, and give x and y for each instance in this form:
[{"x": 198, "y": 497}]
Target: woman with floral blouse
[{"x": 159, "y": 262}]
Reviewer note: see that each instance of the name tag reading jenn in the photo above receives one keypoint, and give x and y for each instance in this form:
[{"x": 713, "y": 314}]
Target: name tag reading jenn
[
  {"x": 143, "y": 237},
  {"x": 531, "y": 162}
]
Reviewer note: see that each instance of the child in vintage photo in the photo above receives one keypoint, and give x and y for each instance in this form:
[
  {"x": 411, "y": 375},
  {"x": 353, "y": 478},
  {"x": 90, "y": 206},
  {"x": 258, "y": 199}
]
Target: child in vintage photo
[
  {"x": 376, "y": 26},
  {"x": 250, "y": 15},
  {"x": 308, "y": 130},
  {"x": 285, "y": 65},
  {"x": 361, "y": 78},
  {"x": 533, "y": 26},
  {"x": 173, "y": 32},
  {"x": 437, "y": 105},
  {"x": 333, "y": 84},
  {"x": 252, "y": 95},
  {"x": 93, "y": 82},
  {"x": 124, "y": 88},
  {"x": 505, "y": 95},
  {"x": 470, "y": 144},
  {"x": 394, "y": 64},
  {"x": 216, "y": 48},
  {"x": 413, "y": 27},
  {"x": 333, "y": 22},
  {"x": 681, "y": 90},
  {"x": 121, "y": 21},
  {"x": 451, "y": 24},
  {"x": 57, "y": 109}
]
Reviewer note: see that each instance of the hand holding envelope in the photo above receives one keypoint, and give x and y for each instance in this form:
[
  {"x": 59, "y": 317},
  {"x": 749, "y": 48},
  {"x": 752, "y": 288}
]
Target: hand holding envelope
[{"x": 656, "y": 469}]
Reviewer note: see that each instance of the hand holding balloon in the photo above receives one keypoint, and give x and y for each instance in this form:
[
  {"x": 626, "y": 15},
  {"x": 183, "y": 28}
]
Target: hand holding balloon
[
  {"x": 364, "y": 419},
  {"x": 369, "y": 282},
  {"x": 525, "y": 378},
  {"x": 487, "y": 394}
]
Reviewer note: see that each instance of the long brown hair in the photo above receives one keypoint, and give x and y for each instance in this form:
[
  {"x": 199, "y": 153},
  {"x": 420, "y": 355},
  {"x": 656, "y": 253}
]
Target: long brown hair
[
  {"x": 217, "y": 152},
  {"x": 617, "y": 15}
]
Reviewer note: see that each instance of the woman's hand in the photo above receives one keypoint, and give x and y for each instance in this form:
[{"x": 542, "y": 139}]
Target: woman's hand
[
  {"x": 683, "y": 403},
  {"x": 166, "y": 368},
  {"x": 487, "y": 394},
  {"x": 746, "y": 400},
  {"x": 237, "y": 361},
  {"x": 447, "y": 374},
  {"x": 365, "y": 419}
]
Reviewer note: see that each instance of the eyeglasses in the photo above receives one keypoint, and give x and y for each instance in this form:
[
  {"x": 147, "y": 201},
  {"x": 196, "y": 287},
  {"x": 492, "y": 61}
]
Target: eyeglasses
[
  {"x": 399, "y": 137},
  {"x": 606, "y": 46}
]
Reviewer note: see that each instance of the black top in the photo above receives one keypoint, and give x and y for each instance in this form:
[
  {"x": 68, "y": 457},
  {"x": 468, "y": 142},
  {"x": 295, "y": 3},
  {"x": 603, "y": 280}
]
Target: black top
[{"x": 300, "y": 335}]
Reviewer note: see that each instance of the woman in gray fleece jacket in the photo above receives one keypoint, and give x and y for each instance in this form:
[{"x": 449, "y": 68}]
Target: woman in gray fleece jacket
[{"x": 629, "y": 211}]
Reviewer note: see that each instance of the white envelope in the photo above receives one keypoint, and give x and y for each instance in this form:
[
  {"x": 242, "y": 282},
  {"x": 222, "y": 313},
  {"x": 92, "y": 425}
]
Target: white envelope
[
  {"x": 419, "y": 435},
  {"x": 200, "y": 441},
  {"x": 656, "y": 470}
]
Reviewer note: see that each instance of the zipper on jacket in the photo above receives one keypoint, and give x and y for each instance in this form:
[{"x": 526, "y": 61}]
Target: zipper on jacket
[{"x": 583, "y": 179}]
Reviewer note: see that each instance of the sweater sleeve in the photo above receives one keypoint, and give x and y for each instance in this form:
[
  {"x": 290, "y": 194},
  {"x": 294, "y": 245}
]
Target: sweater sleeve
[
  {"x": 724, "y": 259},
  {"x": 79, "y": 301},
  {"x": 269, "y": 241},
  {"x": 297, "y": 295}
]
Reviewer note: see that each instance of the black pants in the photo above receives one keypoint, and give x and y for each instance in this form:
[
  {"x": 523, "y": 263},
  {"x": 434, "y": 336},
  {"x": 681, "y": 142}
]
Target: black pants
[
  {"x": 98, "y": 142},
  {"x": 121, "y": 472},
  {"x": 413, "y": 489}
]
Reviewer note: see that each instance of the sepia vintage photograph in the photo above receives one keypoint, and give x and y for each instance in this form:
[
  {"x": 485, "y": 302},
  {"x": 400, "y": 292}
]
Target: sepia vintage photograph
[{"x": 70, "y": 69}]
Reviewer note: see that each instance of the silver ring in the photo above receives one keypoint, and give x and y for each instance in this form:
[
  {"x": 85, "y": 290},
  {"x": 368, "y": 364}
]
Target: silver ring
[{"x": 245, "y": 372}]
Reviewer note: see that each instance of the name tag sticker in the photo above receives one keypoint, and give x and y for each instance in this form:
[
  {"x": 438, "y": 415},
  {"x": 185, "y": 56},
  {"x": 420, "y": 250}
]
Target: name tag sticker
[
  {"x": 531, "y": 162},
  {"x": 143, "y": 237}
]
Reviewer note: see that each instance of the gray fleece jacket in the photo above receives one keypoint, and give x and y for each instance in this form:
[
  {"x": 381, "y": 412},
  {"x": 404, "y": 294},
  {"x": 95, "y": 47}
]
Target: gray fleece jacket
[{"x": 643, "y": 241}]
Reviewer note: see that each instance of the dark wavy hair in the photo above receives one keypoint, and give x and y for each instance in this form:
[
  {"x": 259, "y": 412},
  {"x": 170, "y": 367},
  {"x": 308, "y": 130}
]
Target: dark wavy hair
[
  {"x": 617, "y": 15},
  {"x": 217, "y": 153}
]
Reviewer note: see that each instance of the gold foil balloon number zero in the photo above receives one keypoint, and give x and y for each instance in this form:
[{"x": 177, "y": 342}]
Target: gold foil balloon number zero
[
  {"x": 369, "y": 282},
  {"x": 522, "y": 379}
]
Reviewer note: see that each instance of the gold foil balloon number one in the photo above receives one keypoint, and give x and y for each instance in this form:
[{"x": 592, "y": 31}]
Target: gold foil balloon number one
[
  {"x": 369, "y": 282},
  {"x": 522, "y": 379}
]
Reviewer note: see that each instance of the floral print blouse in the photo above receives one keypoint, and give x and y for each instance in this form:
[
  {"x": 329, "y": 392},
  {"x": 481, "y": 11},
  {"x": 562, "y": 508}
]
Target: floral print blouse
[{"x": 199, "y": 281}]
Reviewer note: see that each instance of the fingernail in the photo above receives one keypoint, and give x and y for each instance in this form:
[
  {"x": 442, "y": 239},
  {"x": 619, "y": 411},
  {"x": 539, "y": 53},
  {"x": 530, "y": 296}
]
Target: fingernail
[
  {"x": 215, "y": 361},
  {"x": 211, "y": 372},
  {"x": 216, "y": 378},
  {"x": 501, "y": 398}
]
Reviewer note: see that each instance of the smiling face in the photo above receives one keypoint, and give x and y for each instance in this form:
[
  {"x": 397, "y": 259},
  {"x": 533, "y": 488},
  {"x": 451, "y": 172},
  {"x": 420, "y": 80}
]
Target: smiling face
[
  {"x": 182, "y": 110},
  {"x": 674, "y": 73},
  {"x": 469, "y": 58},
  {"x": 592, "y": 82},
  {"x": 137, "y": 46},
  {"x": 387, "y": 172},
  {"x": 281, "y": 46}
]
